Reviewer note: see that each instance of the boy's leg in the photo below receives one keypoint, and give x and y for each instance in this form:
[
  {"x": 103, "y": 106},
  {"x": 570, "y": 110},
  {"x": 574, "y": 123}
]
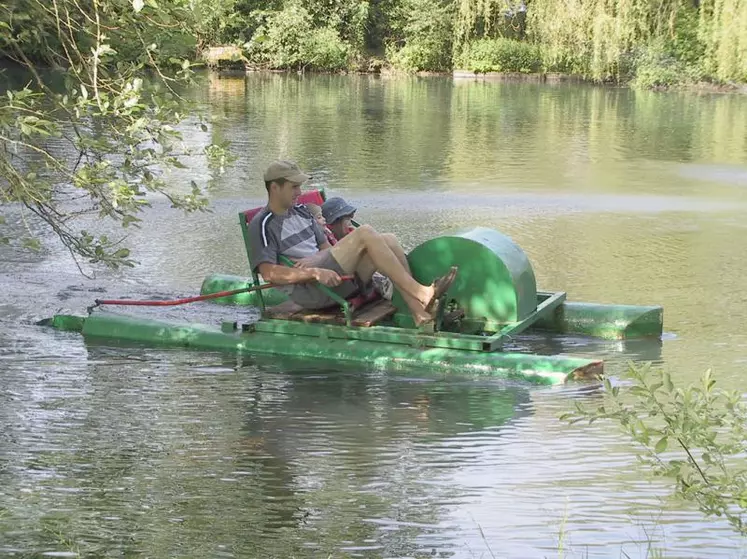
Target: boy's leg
[{"x": 397, "y": 249}]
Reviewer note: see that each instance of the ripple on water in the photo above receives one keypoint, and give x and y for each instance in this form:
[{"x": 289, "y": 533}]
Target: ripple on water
[{"x": 147, "y": 452}]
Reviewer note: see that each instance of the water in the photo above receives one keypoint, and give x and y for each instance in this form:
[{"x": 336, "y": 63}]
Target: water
[{"x": 616, "y": 196}]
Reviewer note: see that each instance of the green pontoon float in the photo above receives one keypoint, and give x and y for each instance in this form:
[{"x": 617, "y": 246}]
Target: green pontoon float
[{"x": 493, "y": 298}]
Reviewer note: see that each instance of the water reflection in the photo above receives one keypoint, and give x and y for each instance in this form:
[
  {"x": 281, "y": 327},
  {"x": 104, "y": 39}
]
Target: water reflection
[
  {"x": 616, "y": 197},
  {"x": 163, "y": 445}
]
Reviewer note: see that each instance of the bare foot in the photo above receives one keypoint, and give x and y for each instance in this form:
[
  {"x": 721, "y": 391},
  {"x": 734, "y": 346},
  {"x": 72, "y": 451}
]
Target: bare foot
[
  {"x": 440, "y": 286},
  {"x": 421, "y": 319}
]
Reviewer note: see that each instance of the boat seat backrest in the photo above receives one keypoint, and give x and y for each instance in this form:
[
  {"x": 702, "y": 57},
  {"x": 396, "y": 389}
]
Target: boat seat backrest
[{"x": 310, "y": 197}]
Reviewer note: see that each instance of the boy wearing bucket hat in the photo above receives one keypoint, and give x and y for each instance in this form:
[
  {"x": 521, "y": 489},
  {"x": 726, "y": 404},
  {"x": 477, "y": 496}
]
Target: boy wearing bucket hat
[
  {"x": 339, "y": 216},
  {"x": 283, "y": 228}
]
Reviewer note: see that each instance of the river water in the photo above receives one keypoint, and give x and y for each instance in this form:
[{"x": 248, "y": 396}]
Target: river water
[{"x": 616, "y": 196}]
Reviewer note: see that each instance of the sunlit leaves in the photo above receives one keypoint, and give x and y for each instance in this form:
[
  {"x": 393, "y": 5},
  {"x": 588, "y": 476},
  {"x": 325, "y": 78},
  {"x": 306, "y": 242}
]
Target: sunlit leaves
[
  {"x": 696, "y": 435},
  {"x": 120, "y": 132}
]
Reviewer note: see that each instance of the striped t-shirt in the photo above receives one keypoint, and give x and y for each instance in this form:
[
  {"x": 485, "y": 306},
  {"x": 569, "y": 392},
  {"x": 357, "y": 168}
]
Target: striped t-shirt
[{"x": 295, "y": 234}]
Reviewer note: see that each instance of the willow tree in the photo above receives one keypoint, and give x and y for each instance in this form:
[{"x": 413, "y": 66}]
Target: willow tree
[
  {"x": 95, "y": 131},
  {"x": 483, "y": 18},
  {"x": 594, "y": 37},
  {"x": 723, "y": 29}
]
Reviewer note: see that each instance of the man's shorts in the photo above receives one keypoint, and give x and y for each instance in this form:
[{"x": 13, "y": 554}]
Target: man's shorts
[{"x": 309, "y": 296}]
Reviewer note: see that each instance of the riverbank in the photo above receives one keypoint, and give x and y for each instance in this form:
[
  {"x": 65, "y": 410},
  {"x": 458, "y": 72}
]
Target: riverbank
[{"x": 549, "y": 78}]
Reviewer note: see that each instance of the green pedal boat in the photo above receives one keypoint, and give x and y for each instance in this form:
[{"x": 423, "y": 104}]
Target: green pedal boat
[{"x": 494, "y": 298}]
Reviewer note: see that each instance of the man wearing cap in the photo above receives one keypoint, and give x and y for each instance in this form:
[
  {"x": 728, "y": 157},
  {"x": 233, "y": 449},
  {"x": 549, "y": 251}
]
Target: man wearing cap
[{"x": 284, "y": 228}]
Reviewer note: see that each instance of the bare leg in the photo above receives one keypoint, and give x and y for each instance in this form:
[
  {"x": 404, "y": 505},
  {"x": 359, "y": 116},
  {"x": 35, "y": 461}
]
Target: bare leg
[
  {"x": 365, "y": 270},
  {"x": 397, "y": 249},
  {"x": 365, "y": 241},
  {"x": 366, "y": 267}
]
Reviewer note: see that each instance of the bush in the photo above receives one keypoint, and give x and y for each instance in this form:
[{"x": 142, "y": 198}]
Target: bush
[
  {"x": 425, "y": 35},
  {"x": 654, "y": 67},
  {"x": 288, "y": 40},
  {"x": 500, "y": 55},
  {"x": 324, "y": 50},
  {"x": 421, "y": 56}
]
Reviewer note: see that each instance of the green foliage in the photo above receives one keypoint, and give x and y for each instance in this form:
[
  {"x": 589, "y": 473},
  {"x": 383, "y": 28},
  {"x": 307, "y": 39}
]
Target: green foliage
[
  {"x": 121, "y": 127},
  {"x": 488, "y": 18},
  {"x": 595, "y": 36},
  {"x": 347, "y": 17},
  {"x": 288, "y": 40},
  {"x": 696, "y": 436},
  {"x": 426, "y": 35},
  {"x": 501, "y": 55},
  {"x": 723, "y": 30},
  {"x": 654, "y": 68}
]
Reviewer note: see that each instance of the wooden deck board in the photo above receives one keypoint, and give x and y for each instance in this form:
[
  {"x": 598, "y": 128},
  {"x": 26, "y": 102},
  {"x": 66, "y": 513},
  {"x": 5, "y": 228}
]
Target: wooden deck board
[{"x": 366, "y": 316}]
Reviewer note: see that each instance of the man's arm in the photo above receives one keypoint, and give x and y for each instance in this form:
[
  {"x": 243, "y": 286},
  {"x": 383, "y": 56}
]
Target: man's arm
[{"x": 284, "y": 275}]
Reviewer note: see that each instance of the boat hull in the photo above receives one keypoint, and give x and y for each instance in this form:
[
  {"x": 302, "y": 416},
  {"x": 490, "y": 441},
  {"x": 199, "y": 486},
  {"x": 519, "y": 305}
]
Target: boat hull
[
  {"x": 329, "y": 343},
  {"x": 609, "y": 322}
]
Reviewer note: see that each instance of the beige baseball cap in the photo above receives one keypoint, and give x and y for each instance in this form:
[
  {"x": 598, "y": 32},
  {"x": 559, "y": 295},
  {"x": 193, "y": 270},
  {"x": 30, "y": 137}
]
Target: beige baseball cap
[{"x": 284, "y": 169}]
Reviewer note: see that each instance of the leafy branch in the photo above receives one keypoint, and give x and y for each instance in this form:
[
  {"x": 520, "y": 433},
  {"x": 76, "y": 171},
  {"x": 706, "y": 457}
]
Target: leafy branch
[
  {"x": 696, "y": 435},
  {"x": 122, "y": 120}
]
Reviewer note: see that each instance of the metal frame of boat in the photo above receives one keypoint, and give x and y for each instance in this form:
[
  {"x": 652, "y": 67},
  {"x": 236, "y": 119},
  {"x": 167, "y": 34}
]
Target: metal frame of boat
[{"x": 372, "y": 331}]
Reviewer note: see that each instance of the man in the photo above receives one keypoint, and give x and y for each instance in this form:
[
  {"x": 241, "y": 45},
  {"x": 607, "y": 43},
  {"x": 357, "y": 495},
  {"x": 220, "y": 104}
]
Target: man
[{"x": 283, "y": 228}]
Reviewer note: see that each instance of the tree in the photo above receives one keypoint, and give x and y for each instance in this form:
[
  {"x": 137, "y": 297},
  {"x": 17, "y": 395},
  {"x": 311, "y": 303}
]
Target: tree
[{"x": 109, "y": 93}]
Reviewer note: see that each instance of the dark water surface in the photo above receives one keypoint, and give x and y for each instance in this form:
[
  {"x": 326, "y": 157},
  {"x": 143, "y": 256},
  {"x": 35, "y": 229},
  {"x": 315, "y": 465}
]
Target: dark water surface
[{"x": 616, "y": 196}]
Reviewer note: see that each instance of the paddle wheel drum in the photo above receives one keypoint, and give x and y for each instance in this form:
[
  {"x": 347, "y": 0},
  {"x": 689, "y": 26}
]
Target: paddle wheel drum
[{"x": 495, "y": 284}]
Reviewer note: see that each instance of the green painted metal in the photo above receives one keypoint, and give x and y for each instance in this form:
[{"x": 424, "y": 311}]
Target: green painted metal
[
  {"x": 66, "y": 322},
  {"x": 495, "y": 283},
  {"x": 537, "y": 369},
  {"x": 612, "y": 322},
  {"x": 545, "y": 308},
  {"x": 215, "y": 283},
  {"x": 378, "y": 334}
]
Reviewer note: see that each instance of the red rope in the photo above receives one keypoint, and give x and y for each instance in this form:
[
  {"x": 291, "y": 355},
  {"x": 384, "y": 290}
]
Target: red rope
[{"x": 134, "y": 302}]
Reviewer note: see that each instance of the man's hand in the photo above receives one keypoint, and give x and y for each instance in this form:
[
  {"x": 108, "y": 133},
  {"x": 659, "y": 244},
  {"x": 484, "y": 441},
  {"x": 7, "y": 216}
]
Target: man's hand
[
  {"x": 301, "y": 264},
  {"x": 330, "y": 278}
]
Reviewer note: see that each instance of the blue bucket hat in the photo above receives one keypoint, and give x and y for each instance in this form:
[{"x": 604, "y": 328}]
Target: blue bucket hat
[{"x": 335, "y": 208}]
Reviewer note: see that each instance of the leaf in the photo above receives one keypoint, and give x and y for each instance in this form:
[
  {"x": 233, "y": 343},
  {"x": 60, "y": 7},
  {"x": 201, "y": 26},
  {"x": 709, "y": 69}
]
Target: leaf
[
  {"x": 661, "y": 446},
  {"x": 203, "y": 127},
  {"x": 2, "y": 220},
  {"x": 668, "y": 382},
  {"x": 128, "y": 219},
  {"x": 122, "y": 253},
  {"x": 84, "y": 92},
  {"x": 137, "y": 5},
  {"x": 638, "y": 391},
  {"x": 4, "y": 241},
  {"x": 32, "y": 244}
]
